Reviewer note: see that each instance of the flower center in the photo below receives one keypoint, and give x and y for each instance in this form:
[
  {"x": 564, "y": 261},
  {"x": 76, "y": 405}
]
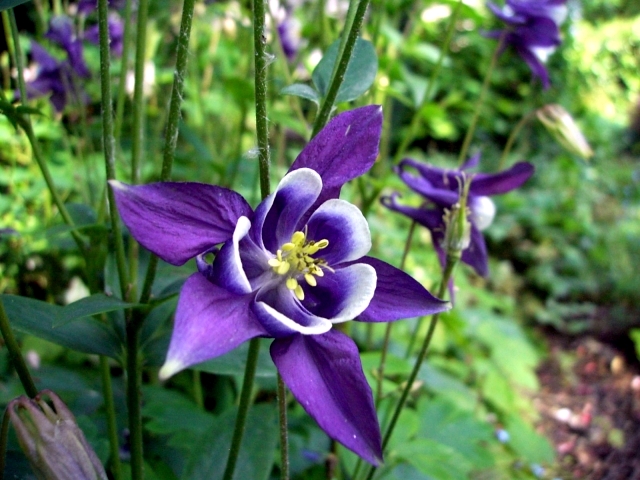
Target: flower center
[{"x": 295, "y": 258}]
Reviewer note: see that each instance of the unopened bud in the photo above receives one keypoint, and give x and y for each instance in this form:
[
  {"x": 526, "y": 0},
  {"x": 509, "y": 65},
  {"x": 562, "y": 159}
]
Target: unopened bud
[
  {"x": 52, "y": 441},
  {"x": 457, "y": 236},
  {"x": 564, "y": 129},
  {"x": 483, "y": 211}
]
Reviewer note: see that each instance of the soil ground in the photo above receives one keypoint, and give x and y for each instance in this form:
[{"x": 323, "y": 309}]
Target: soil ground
[{"x": 589, "y": 404}]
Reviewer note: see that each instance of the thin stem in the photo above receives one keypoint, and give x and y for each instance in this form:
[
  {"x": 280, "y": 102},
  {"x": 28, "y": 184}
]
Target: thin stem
[
  {"x": 108, "y": 142},
  {"x": 243, "y": 408},
  {"x": 512, "y": 137},
  {"x": 448, "y": 270},
  {"x": 4, "y": 436},
  {"x": 112, "y": 425},
  {"x": 262, "y": 132},
  {"x": 15, "y": 355},
  {"x": 138, "y": 91},
  {"x": 133, "y": 398},
  {"x": 416, "y": 118},
  {"x": 261, "y": 63},
  {"x": 173, "y": 122},
  {"x": 479, "y": 104},
  {"x": 18, "y": 56},
  {"x": 124, "y": 65},
  {"x": 197, "y": 389},
  {"x": 343, "y": 63},
  {"x": 284, "y": 438}
]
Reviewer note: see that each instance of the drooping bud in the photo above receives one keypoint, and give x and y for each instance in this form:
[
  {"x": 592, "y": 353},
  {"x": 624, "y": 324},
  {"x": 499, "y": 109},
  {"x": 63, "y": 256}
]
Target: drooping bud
[
  {"x": 564, "y": 129},
  {"x": 457, "y": 236},
  {"x": 52, "y": 441}
]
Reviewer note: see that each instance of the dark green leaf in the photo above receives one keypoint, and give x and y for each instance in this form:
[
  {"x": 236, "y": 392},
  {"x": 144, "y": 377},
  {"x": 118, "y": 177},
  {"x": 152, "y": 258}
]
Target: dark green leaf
[
  {"x": 302, "y": 90},
  {"x": 233, "y": 363},
  {"x": 88, "y": 306},
  {"x": 37, "y": 318},
  {"x": 360, "y": 73},
  {"x": 7, "y": 4},
  {"x": 210, "y": 451}
]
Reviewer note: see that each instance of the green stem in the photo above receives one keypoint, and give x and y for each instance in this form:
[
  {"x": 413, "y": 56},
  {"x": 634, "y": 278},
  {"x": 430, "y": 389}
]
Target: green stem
[
  {"x": 173, "y": 122},
  {"x": 4, "y": 436},
  {"x": 479, "y": 104},
  {"x": 15, "y": 355},
  {"x": 417, "y": 117},
  {"x": 198, "y": 395},
  {"x": 124, "y": 65},
  {"x": 448, "y": 270},
  {"x": 343, "y": 63},
  {"x": 25, "y": 123},
  {"x": 512, "y": 137},
  {"x": 262, "y": 132},
  {"x": 108, "y": 142},
  {"x": 243, "y": 407},
  {"x": 133, "y": 398},
  {"x": 112, "y": 425},
  {"x": 138, "y": 91},
  {"x": 284, "y": 438}
]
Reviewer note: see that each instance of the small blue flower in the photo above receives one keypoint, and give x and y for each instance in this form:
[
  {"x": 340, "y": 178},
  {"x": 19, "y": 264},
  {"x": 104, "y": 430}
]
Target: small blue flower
[
  {"x": 533, "y": 30},
  {"x": 290, "y": 270},
  {"x": 502, "y": 435}
]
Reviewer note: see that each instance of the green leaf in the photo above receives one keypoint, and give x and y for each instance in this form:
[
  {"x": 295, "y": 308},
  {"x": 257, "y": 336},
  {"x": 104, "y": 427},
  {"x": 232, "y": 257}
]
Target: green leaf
[
  {"x": 37, "y": 318},
  {"x": 233, "y": 363},
  {"x": 360, "y": 73},
  {"x": 210, "y": 451},
  {"x": 302, "y": 90},
  {"x": 88, "y": 306},
  {"x": 436, "y": 460},
  {"x": 7, "y": 4},
  {"x": 530, "y": 445}
]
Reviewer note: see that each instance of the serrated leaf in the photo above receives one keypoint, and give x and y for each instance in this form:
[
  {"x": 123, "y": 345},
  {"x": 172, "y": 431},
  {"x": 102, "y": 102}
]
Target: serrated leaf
[
  {"x": 88, "y": 306},
  {"x": 257, "y": 451},
  {"x": 7, "y": 4},
  {"x": 302, "y": 90},
  {"x": 37, "y": 318},
  {"x": 360, "y": 73}
]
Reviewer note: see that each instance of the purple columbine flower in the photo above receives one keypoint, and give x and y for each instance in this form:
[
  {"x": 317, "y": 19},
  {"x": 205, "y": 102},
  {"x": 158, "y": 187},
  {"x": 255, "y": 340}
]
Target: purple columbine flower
[
  {"x": 441, "y": 188},
  {"x": 533, "y": 30},
  {"x": 59, "y": 78},
  {"x": 290, "y": 270},
  {"x": 116, "y": 34}
]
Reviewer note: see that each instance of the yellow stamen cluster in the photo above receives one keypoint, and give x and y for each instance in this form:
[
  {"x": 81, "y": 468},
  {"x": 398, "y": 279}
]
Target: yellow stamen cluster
[{"x": 295, "y": 259}]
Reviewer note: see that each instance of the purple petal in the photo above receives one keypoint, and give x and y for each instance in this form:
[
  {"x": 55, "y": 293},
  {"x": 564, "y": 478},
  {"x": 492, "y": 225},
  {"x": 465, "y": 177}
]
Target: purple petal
[
  {"x": 345, "y": 149},
  {"x": 281, "y": 314},
  {"x": 42, "y": 57},
  {"x": 398, "y": 296},
  {"x": 325, "y": 375},
  {"x": 485, "y": 184},
  {"x": 178, "y": 221},
  {"x": 278, "y": 216},
  {"x": 427, "y": 217},
  {"x": 227, "y": 270},
  {"x": 342, "y": 295},
  {"x": 210, "y": 321},
  {"x": 346, "y": 229},
  {"x": 475, "y": 254}
]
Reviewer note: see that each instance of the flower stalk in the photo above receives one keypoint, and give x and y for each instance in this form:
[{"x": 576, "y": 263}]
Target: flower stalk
[
  {"x": 284, "y": 437},
  {"x": 341, "y": 69}
]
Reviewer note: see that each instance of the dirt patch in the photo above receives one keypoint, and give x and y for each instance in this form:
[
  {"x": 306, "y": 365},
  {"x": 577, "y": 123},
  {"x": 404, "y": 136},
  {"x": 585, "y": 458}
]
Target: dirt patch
[{"x": 589, "y": 403}]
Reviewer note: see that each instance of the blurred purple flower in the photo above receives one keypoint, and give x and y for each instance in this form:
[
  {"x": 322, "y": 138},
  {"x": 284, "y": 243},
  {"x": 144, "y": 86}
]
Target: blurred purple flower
[
  {"x": 441, "y": 188},
  {"x": 533, "y": 30},
  {"x": 59, "y": 78},
  {"x": 116, "y": 33},
  {"x": 289, "y": 270},
  {"x": 86, "y": 7}
]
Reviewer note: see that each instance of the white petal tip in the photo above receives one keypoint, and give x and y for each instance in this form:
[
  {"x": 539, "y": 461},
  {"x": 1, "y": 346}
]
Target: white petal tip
[
  {"x": 117, "y": 184},
  {"x": 170, "y": 368}
]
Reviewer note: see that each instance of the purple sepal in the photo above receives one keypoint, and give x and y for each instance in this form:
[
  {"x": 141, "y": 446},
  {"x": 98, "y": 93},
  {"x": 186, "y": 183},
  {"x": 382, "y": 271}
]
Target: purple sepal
[
  {"x": 210, "y": 321},
  {"x": 398, "y": 296},
  {"x": 486, "y": 184},
  {"x": 345, "y": 149},
  {"x": 178, "y": 221},
  {"x": 325, "y": 375}
]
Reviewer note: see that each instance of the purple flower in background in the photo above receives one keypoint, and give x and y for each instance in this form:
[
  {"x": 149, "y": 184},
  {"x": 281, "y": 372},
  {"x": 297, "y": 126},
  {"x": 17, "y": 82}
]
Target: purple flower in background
[
  {"x": 116, "y": 34},
  {"x": 86, "y": 7},
  {"x": 59, "y": 78},
  {"x": 290, "y": 270},
  {"x": 441, "y": 188},
  {"x": 533, "y": 30}
]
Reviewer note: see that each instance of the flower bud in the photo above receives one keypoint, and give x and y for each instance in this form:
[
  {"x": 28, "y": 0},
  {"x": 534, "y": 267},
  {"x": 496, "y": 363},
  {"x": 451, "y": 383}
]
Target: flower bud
[
  {"x": 563, "y": 128},
  {"x": 52, "y": 441},
  {"x": 457, "y": 235}
]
